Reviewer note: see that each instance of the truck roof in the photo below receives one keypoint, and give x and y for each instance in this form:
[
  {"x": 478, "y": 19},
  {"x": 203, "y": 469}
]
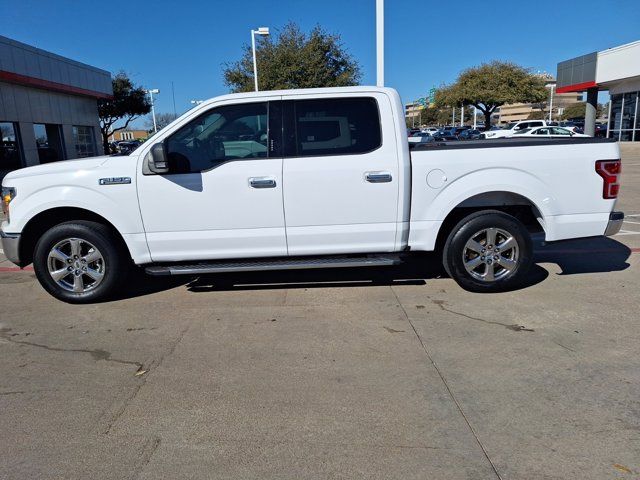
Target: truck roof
[{"x": 302, "y": 91}]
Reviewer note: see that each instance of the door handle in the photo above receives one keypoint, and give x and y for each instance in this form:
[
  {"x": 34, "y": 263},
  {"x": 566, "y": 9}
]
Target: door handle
[
  {"x": 262, "y": 182},
  {"x": 377, "y": 177}
]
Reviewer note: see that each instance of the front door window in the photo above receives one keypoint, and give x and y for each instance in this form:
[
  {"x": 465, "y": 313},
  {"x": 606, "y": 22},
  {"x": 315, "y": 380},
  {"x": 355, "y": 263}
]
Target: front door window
[{"x": 231, "y": 132}]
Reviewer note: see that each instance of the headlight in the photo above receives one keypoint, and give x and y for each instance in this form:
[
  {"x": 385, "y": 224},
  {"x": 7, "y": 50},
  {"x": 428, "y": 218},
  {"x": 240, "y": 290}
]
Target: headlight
[{"x": 8, "y": 194}]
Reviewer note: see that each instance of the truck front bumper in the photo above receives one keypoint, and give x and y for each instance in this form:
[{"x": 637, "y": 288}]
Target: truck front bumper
[
  {"x": 11, "y": 246},
  {"x": 615, "y": 223}
]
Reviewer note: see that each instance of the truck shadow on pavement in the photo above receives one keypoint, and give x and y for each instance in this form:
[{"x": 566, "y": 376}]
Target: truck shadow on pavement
[{"x": 573, "y": 257}]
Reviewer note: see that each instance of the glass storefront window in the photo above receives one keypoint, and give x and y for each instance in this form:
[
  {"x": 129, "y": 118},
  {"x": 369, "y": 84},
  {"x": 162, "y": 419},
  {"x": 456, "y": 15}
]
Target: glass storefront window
[
  {"x": 49, "y": 142},
  {"x": 623, "y": 121},
  {"x": 85, "y": 141},
  {"x": 616, "y": 112},
  {"x": 10, "y": 153},
  {"x": 628, "y": 110}
]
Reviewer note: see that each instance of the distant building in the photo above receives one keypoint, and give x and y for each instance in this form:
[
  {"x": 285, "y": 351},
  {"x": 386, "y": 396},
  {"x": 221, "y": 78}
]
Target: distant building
[
  {"x": 412, "y": 113},
  {"x": 48, "y": 106},
  {"x": 514, "y": 112},
  {"x": 124, "y": 135},
  {"x": 617, "y": 70}
]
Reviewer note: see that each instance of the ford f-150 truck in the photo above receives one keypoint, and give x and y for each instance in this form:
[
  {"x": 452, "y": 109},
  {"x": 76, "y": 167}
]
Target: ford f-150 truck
[{"x": 318, "y": 178}]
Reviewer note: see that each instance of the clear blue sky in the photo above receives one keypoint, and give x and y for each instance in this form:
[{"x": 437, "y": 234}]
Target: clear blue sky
[{"x": 427, "y": 42}]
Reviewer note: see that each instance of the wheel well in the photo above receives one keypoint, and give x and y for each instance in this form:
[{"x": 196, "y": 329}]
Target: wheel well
[
  {"x": 511, "y": 203},
  {"x": 43, "y": 221}
]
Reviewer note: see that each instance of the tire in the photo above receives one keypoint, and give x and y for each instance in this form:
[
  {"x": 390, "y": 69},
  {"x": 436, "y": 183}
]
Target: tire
[
  {"x": 465, "y": 253},
  {"x": 86, "y": 258}
]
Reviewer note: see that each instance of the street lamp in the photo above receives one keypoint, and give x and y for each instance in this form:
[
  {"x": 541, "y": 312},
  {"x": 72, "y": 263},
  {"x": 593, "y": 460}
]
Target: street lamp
[
  {"x": 153, "y": 110},
  {"x": 264, "y": 31},
  {"x": 196, "y": 102},
  {"x": 551, "y": 86},
  {"x": 380, "y": 43}
]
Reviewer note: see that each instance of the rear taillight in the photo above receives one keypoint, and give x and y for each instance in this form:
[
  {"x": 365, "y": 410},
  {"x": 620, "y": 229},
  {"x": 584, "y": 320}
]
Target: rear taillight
[{"x": 609, "y": 170}]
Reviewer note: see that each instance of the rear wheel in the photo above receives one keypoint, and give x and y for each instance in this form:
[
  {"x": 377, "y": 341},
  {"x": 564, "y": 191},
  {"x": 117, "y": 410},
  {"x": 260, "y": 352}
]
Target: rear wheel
[
  {"x": 80, "y": 262},
  {"x": 488, "y": 251}
]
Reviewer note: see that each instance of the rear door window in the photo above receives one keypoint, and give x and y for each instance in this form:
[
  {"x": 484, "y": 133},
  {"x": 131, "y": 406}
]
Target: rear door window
[{"x": 337, "y": 126}]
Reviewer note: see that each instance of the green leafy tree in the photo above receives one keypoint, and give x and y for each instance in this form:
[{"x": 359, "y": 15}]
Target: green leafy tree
[
  {"x": 128, "y": 103},
  {"x": 491, "y": 85},
  {"x": 294, "y": 59},
  {"x": 575, "y": 110}
]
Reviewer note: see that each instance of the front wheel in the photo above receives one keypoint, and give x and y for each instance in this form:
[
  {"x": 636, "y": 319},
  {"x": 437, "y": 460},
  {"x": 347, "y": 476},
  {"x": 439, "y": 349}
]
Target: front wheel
[
  {"x": 488, "y": 251},
  {"x": 80, "y": 262}
]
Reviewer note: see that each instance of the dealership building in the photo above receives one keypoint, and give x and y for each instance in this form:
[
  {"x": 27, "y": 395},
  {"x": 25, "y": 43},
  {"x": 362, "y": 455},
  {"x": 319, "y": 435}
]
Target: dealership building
[
  {"x": 48, "y": 106},
  {"x": 616, "y": 70}
]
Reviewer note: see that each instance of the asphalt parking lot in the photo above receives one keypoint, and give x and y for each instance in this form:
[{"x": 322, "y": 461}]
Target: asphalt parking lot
[{"x": 333, "y": 374}]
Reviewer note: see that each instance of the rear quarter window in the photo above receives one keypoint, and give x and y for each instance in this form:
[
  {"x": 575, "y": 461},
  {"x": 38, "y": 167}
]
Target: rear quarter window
[{"x": 336, "y": 126}]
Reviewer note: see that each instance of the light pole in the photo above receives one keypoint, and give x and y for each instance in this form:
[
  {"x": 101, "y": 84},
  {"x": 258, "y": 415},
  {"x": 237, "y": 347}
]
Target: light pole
[
  {"x": 153, "y": 110},
  {"x": 380, "y": 43},
  {"x": 551, "y": 87},
  {"x": 260, "y": 31}
]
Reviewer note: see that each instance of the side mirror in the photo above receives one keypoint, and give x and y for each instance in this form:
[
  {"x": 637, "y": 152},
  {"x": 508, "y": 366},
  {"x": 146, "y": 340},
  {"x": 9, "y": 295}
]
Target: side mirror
[{"x": 157, "y": 161}]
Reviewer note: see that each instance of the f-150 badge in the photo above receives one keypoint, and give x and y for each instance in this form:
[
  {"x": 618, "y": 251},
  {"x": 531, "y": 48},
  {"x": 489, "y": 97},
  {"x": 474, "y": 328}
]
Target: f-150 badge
[{"x": 114, "y": 180}]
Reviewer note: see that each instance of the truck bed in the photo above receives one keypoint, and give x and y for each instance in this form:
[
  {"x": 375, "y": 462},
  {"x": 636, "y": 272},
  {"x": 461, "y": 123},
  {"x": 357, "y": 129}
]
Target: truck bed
[
  {"x": 505, "y": 142},
  {"x": 557, "y": 178}
]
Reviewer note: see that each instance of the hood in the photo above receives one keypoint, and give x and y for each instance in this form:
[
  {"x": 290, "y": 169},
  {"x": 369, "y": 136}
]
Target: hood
[{"x": 63, "y": 166}]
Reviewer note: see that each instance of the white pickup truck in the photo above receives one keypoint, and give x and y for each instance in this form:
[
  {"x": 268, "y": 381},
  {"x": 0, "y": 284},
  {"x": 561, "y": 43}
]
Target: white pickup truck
[{"x": 319, "y": 178}]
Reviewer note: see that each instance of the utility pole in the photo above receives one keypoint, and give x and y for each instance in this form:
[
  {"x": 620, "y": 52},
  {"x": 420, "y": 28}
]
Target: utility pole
[
  {"x": 551, "y": 101},
  {"x": 380, "y": 43}
]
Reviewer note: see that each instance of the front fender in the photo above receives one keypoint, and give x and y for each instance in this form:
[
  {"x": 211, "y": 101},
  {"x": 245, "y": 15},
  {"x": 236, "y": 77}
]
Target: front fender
[{"x": 119, "y": 206}]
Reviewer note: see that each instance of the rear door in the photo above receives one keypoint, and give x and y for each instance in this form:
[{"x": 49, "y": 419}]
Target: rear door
[{"x": 340, "y": 174}]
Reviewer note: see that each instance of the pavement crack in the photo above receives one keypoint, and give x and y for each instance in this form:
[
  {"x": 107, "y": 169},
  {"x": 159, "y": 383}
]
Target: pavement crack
[
  {"x": 174, "y": 345},
  {"x": 97, "y": 354},
  {"x": 446, "y": 384},
  {"x": 17, "y": 392},
  {"x": 120, "y": 411},
  {"x": 148, "y": 450},
  {"x": 514, "y": 327},
  {"x": 564, "y": 346}
]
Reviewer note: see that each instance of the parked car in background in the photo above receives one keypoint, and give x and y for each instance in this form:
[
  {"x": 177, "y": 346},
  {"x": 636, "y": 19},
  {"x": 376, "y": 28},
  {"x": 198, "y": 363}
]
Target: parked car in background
[
  {"x": 513, "y": 127},
  {"x": 128, "y": 146},
  {"x": 430, "y": 130},
  {"x": 560, "y": 132},
  {"x": 469, "y": 134},
  {"x": 601, "y": 130},
  {"x": 419, "y": 137},
  {"x": 445, "y": 135},
  {"x": 574, "y": 129}
]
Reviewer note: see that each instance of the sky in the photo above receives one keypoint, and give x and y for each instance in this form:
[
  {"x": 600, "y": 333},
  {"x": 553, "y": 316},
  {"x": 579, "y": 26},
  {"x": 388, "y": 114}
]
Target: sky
[{"x": 427, "y": 43}]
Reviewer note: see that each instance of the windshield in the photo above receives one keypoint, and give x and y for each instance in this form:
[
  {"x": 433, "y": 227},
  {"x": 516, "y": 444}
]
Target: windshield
[
  {"x": 511, "y": 125},
  {"x": 524, "y": 130}
]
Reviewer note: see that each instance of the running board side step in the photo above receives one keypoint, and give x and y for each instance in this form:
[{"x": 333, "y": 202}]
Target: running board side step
[{"x": 273, "y": 264}]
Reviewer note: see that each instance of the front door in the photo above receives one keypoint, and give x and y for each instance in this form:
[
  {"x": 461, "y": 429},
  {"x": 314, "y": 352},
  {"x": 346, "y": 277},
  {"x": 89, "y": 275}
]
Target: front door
[
  {"x": 222, "y": 197},
  {"x": 340, "y": 175}
]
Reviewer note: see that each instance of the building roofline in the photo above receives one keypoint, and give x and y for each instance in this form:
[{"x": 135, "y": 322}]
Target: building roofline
[{"x": 52, "y": 55}]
